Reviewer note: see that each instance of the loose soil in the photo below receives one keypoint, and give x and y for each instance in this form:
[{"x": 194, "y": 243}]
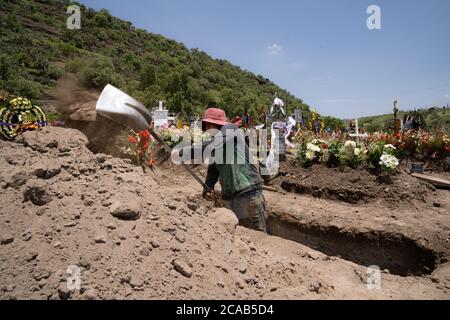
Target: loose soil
[{"x": 152, "y": 236}]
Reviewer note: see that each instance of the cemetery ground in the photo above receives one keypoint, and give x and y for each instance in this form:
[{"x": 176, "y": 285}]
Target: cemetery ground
[{"x": 70, "y": 214}]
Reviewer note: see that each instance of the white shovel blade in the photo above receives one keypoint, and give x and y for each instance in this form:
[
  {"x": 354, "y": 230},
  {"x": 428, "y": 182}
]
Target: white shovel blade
[{"x": 116, "y": 106}]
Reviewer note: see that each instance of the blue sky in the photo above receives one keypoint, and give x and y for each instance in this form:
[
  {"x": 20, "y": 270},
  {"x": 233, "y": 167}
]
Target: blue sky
[{"x": 319, "y": 50}]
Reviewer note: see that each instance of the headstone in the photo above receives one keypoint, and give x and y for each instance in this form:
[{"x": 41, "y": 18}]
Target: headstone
[
  {"x": 279, "y": 136},
  {"x": 298, "y": 116},
  {"x": 417, "y": 167},
  {"x": 161, "y": 118},
  {"x": 357, "y": 135}
]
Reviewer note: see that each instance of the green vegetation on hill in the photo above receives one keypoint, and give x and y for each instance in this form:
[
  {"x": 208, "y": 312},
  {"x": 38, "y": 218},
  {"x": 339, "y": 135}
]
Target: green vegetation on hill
[
  {"x": 431, "y": 118},
  {"x": 36, "y": 48}
]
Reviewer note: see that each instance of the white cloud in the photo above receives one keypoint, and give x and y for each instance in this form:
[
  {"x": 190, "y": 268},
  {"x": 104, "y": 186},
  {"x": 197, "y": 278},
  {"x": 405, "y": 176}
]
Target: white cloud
[{"x": 274, "y": 49}]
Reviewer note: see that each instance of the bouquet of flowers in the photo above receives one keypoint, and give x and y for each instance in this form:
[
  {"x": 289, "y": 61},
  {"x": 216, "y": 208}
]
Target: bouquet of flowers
[
  {"x": 352, "y": 154},
  {"x": 389, "y": 163},
  {"x": 139, "y": 149},
  {"x": 313, "y": 152},
  {"x": 383, "y": 156},
  {"x": 331, "y": 154},
  {"x": 434, "y": 146},
  {"x": 174, "y": 136}
]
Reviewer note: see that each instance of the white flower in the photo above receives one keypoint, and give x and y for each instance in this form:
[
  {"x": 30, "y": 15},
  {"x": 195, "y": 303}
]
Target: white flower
[
  {"x": 175, "y": 137},
  {"x": 357, "y": 151},
  {"x": 390, "y": 147},
  {"x": 325, "y": 156},
  {"x": 310, "y": 155},
  {"x": 389, "y": 162},
  {"x": 317, "y": 141},
  {"x": 350, "y": 143},
  {"x": 312, "y": 147}
]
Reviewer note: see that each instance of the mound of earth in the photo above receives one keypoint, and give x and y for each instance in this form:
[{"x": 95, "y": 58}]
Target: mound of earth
[
  {"x": 352, "y": 185},
  {"x": 64, "y": 207},
  {"x": 78, "y": 225}
]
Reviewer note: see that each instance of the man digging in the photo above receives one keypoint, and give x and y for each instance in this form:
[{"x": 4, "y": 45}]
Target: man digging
[{"x": 231, "y": 164}]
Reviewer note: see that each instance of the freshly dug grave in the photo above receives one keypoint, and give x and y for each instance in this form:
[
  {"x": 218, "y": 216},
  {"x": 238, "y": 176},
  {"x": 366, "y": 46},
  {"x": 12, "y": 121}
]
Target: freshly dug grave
[
  {"x": 406, "y": 241},
  {"x": 352, "y": 185},
  {"x": 136, "y": 236},
  {"x": 401, "y": 225}
]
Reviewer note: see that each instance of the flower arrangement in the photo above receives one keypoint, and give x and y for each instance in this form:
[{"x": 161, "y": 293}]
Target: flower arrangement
[
  {"x": 171, "y": 136},
  {"x": 174, "y": 136},
  {"x": 389, "y": 163},
  {"x": 140, "y": 148},
  {"x": 434, "y": 146},
  {"x": 374, "y": 153},
  {"x": 314, "y": 150},
  {"x": 381, "y": 151},
  {"x": 331, "y": 154},
  {"x": 20, "y": 104},
  {"x": 352, "y": 154},
  {"x": 20, "y": 115},
  {"x": 318, "y": 151},
  {"x": 315, "y": 123}
]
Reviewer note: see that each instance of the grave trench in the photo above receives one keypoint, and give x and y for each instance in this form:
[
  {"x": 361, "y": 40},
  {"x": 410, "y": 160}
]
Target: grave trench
[{"x": 400, "y": 255}]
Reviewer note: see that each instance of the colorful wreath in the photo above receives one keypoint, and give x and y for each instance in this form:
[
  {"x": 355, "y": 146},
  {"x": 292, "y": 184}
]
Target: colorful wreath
[{"x": 20, "y": 115}]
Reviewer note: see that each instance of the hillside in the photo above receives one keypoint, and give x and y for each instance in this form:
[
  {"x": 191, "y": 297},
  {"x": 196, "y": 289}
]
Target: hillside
[
  {"x": 433, "y": 118},
  {"x": 36, "y": 48}
]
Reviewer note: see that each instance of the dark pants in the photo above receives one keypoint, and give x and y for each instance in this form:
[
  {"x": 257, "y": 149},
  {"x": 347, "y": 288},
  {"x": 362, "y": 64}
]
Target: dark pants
[{"x": 250, "y": 208}]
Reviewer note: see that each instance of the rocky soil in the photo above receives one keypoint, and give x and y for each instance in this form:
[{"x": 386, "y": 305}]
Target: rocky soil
[{"x": 71, "y": 217}]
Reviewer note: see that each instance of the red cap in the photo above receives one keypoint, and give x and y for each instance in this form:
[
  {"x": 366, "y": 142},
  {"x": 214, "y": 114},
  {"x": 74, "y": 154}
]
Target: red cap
[{"x": 215, "y": 116}]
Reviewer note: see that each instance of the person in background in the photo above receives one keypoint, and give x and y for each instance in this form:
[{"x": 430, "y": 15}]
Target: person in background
[
  {"x": 237, "y": 121},
  {"x": 414, "y": 123},
  {"x": 262, "y": 116},
  {"x": 245, "y": 119},
  {"x": 192, "y": 120}
]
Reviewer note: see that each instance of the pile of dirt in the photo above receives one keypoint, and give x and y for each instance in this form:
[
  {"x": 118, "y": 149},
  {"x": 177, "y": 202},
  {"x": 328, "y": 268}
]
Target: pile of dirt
[
  {"x": 70, "y": 217},
  {"x": 64, "y": 206},
  {"x": 352, "y": 185}
]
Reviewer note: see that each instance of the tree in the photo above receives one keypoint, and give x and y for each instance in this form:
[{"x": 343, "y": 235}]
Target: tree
[
  {"x": 147, "y": 75},
  {"x": 333, "y": 123},
  {"x": 103, "y": 19},
  {"x": 96, "y": 72}
]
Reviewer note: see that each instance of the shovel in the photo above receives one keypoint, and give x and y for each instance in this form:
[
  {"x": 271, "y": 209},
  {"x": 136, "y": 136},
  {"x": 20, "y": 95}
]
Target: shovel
[{"x": 119, "y": 107}]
